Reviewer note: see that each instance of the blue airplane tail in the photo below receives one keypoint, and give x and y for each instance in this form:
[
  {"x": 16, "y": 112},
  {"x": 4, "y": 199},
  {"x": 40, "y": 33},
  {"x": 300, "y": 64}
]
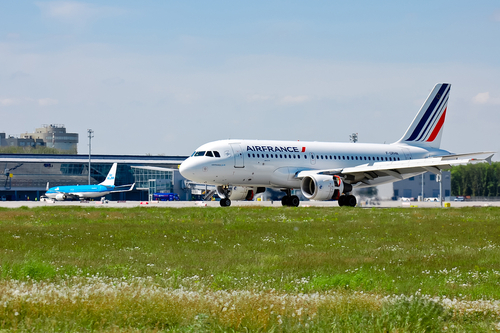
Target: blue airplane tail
[{"x": 110, "y": 178}]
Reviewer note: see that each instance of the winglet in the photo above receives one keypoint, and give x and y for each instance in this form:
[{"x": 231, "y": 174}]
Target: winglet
[{"x": 488, "y": 159}]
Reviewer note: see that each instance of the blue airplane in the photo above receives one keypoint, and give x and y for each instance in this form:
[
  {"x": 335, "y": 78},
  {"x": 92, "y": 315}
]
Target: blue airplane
[{"x": 88, "y": 191}]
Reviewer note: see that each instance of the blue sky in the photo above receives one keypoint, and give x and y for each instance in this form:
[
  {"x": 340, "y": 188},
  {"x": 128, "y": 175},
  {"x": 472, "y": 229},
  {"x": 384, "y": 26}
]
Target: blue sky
[{"x": 164, "y": 77}]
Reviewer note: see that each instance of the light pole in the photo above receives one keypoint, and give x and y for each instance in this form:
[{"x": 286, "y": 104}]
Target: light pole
[{"x": 91, "y": 135}]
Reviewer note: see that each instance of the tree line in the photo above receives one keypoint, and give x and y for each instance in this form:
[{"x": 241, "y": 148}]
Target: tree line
[{"x": 480, "y": 179}]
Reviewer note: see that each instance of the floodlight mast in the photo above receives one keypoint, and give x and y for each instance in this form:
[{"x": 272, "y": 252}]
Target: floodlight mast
[
  {"x": 91, "y": 135},
  {"x": 353, "y": 137}
]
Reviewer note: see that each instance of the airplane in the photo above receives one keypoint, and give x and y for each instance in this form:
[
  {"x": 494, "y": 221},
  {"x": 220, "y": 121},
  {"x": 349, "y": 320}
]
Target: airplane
[
  {"x": 61, "y": 193},
  {"x": 326, "y": 170}
]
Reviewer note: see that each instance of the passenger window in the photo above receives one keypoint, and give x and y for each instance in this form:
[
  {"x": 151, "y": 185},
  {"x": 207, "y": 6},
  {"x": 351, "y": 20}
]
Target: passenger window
[
  {"x": 343, "y": 157},
  {"x": 248, "y": 154},
  {"x": 281, "y": 156},
  {"x": 267, "y": 155},
  {"x": 305, "y": 157},
  {"x": 378, "y": 159},
  {"x": 253, "y": 155}
]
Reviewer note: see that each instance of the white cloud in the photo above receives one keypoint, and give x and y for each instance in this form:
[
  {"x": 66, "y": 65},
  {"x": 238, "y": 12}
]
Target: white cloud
[
  {"x": 485, "y": 98},
  {"x": 481, "y": 98},
  {"x": 13, "y": 35},
  {"x": 47, "y": 101},
  {"x": 496, "y": 16},
  {"x": 75, "y": 12},
  {"x": 8, "y": 101},
  {"x": 294, "y": 99},
  {"x": 19, "y": 75}
]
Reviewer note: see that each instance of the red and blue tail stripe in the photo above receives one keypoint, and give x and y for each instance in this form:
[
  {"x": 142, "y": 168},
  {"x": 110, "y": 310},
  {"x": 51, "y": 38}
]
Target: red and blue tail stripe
[{"x": 427, "y": 125}]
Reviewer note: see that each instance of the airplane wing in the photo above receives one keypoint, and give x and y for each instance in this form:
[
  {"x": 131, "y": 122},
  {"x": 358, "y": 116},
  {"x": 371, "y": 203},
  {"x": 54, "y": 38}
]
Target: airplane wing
[
  {"x": 123, "y": 188},
  {"x": 367, "y": 174}
]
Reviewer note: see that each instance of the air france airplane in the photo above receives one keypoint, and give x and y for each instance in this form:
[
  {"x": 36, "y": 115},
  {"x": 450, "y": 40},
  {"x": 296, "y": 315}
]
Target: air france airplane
[
  {"x": 326, "y": 170},
  {"x": 88, "y": 191}
]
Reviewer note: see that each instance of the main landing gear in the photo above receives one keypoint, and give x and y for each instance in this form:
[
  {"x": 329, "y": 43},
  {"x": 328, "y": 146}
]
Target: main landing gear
[
  {"x": 290, "y": 200},
  {"x": 347, "y": 200}
]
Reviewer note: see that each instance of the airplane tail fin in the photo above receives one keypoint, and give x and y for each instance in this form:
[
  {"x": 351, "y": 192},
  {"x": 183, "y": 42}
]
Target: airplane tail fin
[
  {"x": 427, "y": 127},
  {"x": 110, "y": 178}
]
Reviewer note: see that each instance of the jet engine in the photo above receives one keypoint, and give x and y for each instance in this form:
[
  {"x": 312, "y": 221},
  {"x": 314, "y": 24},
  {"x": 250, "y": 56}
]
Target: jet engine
[
  {"x": 323, "y": 187},
  {"x": 60, "y": 196},
  {"x": 237, "y": 192}
]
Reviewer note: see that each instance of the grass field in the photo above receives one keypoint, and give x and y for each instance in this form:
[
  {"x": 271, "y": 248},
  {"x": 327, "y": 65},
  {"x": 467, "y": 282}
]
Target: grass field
[{"x": 250, "y": 269}]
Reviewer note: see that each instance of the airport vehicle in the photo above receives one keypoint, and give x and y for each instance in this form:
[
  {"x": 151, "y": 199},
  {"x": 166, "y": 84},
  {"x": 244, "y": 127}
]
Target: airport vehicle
[
  {"x": 326, "y": 170},
  {"x": 166, "y": 196},
  {"x": 70, "y": 192}
]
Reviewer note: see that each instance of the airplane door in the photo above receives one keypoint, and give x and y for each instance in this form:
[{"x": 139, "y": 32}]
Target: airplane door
[
  {"x": 238, "y": 155},
  {"x": 312, "y": 158},
  {"x": 407, "y": 153}
]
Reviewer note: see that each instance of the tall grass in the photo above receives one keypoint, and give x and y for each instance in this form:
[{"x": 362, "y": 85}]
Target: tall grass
[{"x": 374, "y": 270}]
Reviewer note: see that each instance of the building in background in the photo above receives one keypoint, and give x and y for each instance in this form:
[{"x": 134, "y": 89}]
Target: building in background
[
  {"x": 55, "y": 136},
  {"x": 11, "y": 141},
  {"x": 51, "y": 136},
  {"x": 412, "y": 187},
  {"x": 27, "y": 176}
]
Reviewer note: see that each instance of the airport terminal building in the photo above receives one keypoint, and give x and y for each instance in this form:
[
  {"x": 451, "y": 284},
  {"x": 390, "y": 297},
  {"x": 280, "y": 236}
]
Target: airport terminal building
[{"x": 26, "y": 176}]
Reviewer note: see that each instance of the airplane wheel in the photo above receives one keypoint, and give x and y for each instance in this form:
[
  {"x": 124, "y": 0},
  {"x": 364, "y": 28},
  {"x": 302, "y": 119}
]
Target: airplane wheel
[
  {"x": 294, "y": 201},
  {"x": 225, "y": 202},
  {"x": 341, "y": 200},
  {"x": 285, "y": 201},
  {"x": 351, "y": 201}
]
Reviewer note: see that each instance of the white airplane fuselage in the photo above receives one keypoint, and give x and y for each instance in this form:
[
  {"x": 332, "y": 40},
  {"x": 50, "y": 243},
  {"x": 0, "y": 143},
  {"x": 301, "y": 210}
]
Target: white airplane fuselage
[
  {"x": 268, "y": 163},
  {"x": 325, "y": 170}
]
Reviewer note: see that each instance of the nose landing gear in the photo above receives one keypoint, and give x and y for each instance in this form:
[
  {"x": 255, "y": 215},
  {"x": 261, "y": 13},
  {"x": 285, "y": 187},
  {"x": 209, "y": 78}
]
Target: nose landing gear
[{"x": 225, "y": 202}]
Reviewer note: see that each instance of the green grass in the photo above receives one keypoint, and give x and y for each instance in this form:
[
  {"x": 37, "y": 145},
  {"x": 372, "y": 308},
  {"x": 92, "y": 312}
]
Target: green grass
[{"x": 432, "y": 256}]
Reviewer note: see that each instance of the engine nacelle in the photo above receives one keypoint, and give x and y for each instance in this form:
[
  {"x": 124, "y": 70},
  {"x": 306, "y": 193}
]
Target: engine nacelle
[
  {"x": 237, "y": 192},
  {"x": 60, "y": 196},
  {"x": 322, "y": 187}
]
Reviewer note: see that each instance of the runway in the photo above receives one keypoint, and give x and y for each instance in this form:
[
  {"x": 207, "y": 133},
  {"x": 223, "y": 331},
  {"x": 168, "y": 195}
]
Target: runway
[{"x": 277, "y": 204}]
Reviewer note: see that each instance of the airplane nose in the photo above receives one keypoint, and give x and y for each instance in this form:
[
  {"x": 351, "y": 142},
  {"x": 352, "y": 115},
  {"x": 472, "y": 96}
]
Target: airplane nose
[{"x": 187, "y": 168}]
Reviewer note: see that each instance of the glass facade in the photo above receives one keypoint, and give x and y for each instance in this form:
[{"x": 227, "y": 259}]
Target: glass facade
[{"x": 142, "y": 175}]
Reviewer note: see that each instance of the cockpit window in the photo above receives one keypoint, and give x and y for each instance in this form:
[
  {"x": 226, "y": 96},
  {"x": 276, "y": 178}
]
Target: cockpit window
[
  {"x": 216, "y": 154},
  {"x": 199, "y": 153},
  {"x": 209, "y": 153}
]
